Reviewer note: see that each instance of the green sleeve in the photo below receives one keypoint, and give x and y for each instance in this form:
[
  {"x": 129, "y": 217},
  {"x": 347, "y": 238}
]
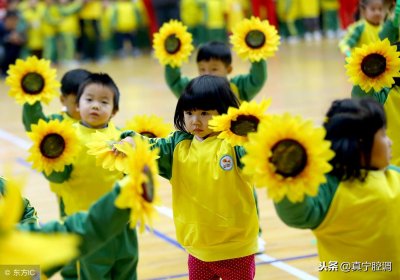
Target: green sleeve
[
  {"x": 167, "y": 146},
  {"x": 175, "y": 81},
  {"x": 240, "y": 152},
  {"x": 312, "y": 210},
  {"x": 59, "y": 177},
  {"x": 251, "y": 84},
  {"x": 394, "y": 167},
  {"x": 380, "y": 96},
  {"x": 29, "y": 215},
  {"x": 70, "y": 9},
  {"x": 31, "y": 114},
  {"x": 352, "y": 37},
  {"x": 102, "y": 221},
  {"x": 390, "y": 31}
]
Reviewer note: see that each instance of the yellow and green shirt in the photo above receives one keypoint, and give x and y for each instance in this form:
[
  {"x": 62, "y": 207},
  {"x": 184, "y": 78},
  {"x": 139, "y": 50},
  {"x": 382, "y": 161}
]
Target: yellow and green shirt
[
  {"x": 213, "y": 204},
  {"x": 355, "y": 223}
]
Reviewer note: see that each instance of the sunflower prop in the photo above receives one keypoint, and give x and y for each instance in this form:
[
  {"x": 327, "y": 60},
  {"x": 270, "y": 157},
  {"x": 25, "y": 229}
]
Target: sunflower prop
[
  {"x": 55, "y": 145},
  {"x": 172, "y": 44},
  {"x": 150, "y": 126},
  {"x": 255, "y": 39},
  {"x": 22, "y": 247},
  {"x": 101, "y": 145},
  {"x": 32, "y": 80},
  {"x": 138, "y": 188},
  {"x": 237, "y": 123},
  {"x": 374, "y": 66},
  {"x": 289, "y": 156}
]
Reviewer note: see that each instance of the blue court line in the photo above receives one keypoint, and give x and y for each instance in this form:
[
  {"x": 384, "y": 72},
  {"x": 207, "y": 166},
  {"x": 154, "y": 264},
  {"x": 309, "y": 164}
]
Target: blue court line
[{"x": 165, "y": 238}]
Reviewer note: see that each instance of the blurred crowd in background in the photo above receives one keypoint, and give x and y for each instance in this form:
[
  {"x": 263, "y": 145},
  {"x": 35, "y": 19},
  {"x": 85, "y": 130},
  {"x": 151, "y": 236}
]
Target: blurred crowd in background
[{"x": 65, "y": 31}]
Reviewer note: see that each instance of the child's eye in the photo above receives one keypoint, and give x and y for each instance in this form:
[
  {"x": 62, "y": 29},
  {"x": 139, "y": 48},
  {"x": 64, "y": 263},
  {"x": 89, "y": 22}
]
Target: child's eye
[
  {"x": 105, "y": 102},
  {"x": 204, "y": 113},
  {"x": 89, "y": 99},
  {"x": 188, "y": 113}
]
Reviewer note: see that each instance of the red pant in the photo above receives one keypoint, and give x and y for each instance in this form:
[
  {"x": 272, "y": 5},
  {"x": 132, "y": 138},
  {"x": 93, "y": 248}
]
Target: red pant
[
  {"x": 347, "y": 10},
  {"x": 233, "y": 269},
  {"x": 269, "y": 5}
]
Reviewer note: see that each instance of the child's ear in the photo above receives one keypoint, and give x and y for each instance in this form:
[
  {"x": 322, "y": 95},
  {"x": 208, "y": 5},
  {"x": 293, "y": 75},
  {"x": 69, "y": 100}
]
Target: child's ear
[
  {"x": 229, "y": 69},
  {"x": 62, "y": 99}
]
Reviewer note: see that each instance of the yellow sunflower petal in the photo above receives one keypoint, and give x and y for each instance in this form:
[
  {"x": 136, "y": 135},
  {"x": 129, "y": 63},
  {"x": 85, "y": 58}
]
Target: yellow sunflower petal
[
  {"x": 26, "y": 248},
  {"x": 139, "y": 187},
  {"x": 374, "y": 66},
  {"x": 101, "y": 145},
  {"x": 172, "y": 44},
  {"x": 32, "y": 80},
  {"x": 307, "y": 168},
  {"x": 237, "y": 123},
  {"x": 150, "y": 126},
  {"x": 11, "y": 204},
  {"x": 55, "y": 145},
  {"x": 255, "y": 39}
]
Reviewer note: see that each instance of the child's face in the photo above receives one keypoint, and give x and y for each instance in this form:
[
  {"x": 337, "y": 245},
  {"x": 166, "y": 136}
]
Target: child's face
[
  {"x": 381, "y": 150},
  {"x": 69, "y": 101},
  {"x": 374, "y": 12},
  {"x": 196, "y": 122},
  {"x": 213, "y": 67},
  {"x": 96, "y": 105}
]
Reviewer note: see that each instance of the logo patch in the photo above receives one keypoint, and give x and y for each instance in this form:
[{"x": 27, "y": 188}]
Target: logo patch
[{"x": 226, "y": 163}]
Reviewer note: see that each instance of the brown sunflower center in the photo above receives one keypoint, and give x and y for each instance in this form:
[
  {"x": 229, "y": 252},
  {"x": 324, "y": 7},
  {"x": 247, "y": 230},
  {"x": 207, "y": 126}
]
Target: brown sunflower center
[
  {"x": 172, "y": 44},
  {"x": 255, "y": 39},
  {"x": 32, "y": 83},
  {"x": 148, "y": 134},
  {"x": 244, "y": 124},
  {"x": 373, "y": 65},
  {"x": 52, "y": 146},
  {"x": 148, "y": 187},
  {"x": 289, "y": 158}
]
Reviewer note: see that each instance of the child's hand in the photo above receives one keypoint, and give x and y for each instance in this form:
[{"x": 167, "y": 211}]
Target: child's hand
[{"x": 128, "y": 139}]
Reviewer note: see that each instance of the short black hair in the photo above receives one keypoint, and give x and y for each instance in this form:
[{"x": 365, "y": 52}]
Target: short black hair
[
  {"x": 351, "y": 125},
  {"x": 215, "y": 50},
  {"x": 101, "y": 79},
  {"x": 72, "y": 79},
  {"x": 206, "y": 93}
]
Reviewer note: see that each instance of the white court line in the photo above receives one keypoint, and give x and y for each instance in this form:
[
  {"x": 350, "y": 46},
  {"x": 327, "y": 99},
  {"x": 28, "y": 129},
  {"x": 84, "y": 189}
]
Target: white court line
[{"x": 168, "y": 213}]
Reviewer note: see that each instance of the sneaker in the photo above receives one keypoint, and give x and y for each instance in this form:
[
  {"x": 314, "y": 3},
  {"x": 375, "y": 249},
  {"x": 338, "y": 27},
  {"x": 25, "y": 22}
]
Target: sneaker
[{"x": 261, "y": 245}]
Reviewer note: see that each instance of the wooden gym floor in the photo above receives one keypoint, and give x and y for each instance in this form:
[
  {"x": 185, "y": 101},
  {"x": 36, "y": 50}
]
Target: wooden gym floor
[{"x": 302, "y": 79}]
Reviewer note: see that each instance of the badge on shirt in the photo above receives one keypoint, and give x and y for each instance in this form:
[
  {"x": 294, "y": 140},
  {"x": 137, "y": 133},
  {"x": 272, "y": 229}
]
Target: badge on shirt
[{"x": 226, "y": 163}]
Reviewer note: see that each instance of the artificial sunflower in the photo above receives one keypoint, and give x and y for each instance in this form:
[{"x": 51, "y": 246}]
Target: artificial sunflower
[
  {"x": 22, "y": 247},
  {"x": 255, "y": 39},
  {"x": 32, "y": 80},
  {"x": 173, "y": 44},
  {"x": 150, "y": 126},
  {"x": 101, "y": 145},
  {"x": 289, "y": 156},
  {"x": 373, "y": 66},
  {"x": 55, "y": 145},
  {"x": 237, "y": 123},
  {"x": 139, "y": 187}
]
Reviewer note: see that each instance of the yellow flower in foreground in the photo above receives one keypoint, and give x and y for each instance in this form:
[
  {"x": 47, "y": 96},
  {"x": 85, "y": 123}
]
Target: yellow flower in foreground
[
  {"x": 139, "y": 187},
  {"x": 172, "y": 44},
  {"x": 150, "y": 126},
  {"x": 237, "y": 123},
  {"x": 25, "y": 248},
  {"x": 289, "y": 156},
  {"x": 255, "y": 39},
  {"x": 55, "y": 145},
  {"x": 32, "y": 80},
  {"x": 101, "y": 145},
  {"x": 374, "y": 66}
]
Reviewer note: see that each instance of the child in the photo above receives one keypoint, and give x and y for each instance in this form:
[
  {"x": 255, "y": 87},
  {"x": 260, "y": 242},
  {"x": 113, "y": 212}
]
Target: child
[
  {"x": 366, "y": 30},
  {"x": 31, "y": 114},
  {"x": 390, "y": 99},
  {"x": 390, "y": 28},
  {"x": 215, "y": 58},
  {"x": 84, "y": 182},
  {"x": 214, "y": 208},
  {"x": 102, "y": 221},
  {"x": 354, "y": 216}
]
